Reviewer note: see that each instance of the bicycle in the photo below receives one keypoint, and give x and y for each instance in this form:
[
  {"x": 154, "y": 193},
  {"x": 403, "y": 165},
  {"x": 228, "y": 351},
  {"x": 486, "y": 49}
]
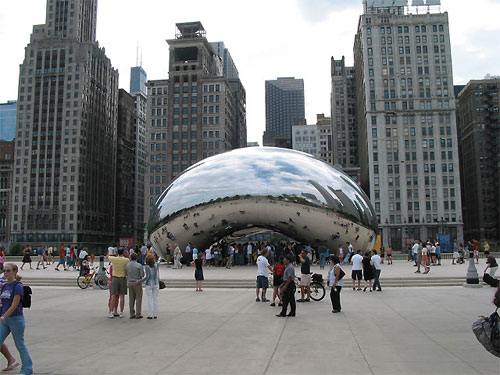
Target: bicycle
[
  {"x": 317, "y": 287},
  {"x": 84, "y": 281}
]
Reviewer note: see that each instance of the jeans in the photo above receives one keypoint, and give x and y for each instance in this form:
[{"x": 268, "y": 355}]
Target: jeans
[
  {"x": 376, "y": 283},
  {"x": 152, "y": 294},
  {"x": 16, "y": 325},
  {"x": 322, "y": 260}
]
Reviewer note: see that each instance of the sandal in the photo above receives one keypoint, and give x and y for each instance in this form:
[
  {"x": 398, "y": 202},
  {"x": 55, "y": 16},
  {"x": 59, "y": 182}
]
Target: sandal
[{"x": 11, "y": 367}]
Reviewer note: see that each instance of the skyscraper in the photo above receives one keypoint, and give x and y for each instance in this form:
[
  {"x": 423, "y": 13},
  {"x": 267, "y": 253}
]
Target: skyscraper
[
  {"x": 479, "y": 121},
  {"x": 64, "y": 178},
  {"x": 138, "y": 79},
  {"x": 343, "y": 110},
  {"x": 191, "y": 115},
  {"x": 125, "y": 166},
  {"x": 8, "y": 114},
  {"x": 138, "y": 89},
  {"x": 6, "y": 169},
  {"x": 284, "y": 105},
  {"x": 408, "y": 150}
]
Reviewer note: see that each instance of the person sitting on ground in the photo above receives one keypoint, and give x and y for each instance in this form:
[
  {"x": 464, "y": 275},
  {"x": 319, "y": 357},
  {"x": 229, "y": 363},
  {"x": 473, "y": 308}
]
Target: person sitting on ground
[{"x": 491, "y": 264}]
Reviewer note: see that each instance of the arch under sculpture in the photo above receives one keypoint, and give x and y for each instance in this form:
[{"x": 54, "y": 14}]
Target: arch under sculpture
[{"x": 277, "y": 189}]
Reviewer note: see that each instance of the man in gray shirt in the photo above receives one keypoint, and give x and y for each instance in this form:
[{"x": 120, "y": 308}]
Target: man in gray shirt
[
  {"x": 287, "y": 289},
  {"x": 135, "y": 272}
]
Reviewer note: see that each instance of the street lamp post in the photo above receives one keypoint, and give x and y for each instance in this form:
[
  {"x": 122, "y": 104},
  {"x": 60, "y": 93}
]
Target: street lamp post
[{"x": 472, "y": 278}]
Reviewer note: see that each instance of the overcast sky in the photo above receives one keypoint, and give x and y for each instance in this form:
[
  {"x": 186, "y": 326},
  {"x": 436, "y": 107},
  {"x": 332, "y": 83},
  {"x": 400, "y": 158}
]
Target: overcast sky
[{"x": 266, "y": 38}]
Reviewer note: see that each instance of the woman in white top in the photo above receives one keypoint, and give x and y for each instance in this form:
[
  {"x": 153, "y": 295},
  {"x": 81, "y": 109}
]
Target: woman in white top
[{"x": 335, "y": 283}]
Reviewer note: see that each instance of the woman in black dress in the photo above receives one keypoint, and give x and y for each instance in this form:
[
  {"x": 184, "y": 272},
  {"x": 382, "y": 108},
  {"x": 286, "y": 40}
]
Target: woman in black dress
[
  {"x": 27, "y": 257},
  {"x": 368, "y": 272},
  {"x": 198, "y": 272}
]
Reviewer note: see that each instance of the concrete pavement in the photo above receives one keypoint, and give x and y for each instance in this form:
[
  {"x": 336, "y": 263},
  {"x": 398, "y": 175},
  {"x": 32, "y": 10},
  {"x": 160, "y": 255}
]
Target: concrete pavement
[
  {"x": 400, "y": 273},
  {"x": 218, "y": 331}
]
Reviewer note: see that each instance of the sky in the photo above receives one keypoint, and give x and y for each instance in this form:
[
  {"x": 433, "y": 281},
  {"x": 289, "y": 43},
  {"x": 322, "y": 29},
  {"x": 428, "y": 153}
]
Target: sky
[{"x": 266, "y": 38}]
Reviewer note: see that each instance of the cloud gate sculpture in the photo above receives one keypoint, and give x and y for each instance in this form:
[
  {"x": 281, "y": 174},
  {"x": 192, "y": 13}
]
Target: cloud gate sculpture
[{"x": 268, "y": 188}]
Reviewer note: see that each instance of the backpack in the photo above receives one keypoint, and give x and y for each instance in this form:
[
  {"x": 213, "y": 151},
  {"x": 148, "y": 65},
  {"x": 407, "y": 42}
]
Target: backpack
[
  {"x": 487, "y": 331},
  {"x": 27, "y": 292}
]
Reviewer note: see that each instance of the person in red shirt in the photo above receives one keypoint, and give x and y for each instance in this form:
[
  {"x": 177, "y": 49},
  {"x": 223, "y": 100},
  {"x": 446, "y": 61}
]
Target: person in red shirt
[
  {"x": 62, "y": 256},
  {"x": 278, "y": 271}
]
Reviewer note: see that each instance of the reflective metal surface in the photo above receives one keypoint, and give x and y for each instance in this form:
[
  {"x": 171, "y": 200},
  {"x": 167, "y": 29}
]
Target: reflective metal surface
[{"x": 283, "y": 190}]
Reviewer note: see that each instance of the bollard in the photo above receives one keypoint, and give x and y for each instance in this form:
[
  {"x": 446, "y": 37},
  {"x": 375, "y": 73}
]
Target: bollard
[
  {"x": 101, "y": 274},
  {"x": 472, "y": 278}
]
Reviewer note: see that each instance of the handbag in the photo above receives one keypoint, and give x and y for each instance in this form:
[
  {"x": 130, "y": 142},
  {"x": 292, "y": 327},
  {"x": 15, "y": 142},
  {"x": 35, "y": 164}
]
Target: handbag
[
  {"x": 162, "y": 285},
  {"x": 487, "y": 331},
  {"x": 341, "y": 274}
]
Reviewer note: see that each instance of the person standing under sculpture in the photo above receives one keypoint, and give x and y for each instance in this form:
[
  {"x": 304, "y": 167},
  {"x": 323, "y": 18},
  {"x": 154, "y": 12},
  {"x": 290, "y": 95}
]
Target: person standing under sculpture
[
  {"x": 188, "y": 254},
  {"x": 376, "y": 263},
  {"x": 357, "y": 273},
  {"x": 198, "y": 272},
  {"x": 335, "y": 283},
  {"x": 135, "y": 272},
  {"x": 288, "y": 289},
  {"x": 262, "y": 276}
]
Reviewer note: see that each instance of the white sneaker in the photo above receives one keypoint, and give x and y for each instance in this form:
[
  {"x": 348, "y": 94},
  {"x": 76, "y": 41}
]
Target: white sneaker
[
  {"x": 111, "y": 315},
  {"x": 122, "y": 315}
]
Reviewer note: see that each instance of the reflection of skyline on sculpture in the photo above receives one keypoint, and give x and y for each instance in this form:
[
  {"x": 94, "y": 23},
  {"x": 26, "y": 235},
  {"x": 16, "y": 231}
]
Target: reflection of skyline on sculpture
[{"x": 272, "y": 174}]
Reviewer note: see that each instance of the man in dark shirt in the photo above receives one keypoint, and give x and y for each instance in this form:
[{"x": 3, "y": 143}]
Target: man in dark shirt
[
  {"x": 287, "y": 289},
  {"x": 305, "y": 277}
]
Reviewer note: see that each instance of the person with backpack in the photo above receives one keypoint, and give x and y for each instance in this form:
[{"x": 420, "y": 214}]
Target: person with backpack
[
  {"x": 278, "y": 271},
  {"x": 11, "y": 361},
  {"x": 12, "y": 318},
  {"x": 335, "y": 282}
]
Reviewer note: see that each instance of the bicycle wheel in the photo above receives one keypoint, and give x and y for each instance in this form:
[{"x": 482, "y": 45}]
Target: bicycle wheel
[
  {"x": 83, "y": 281},
  {"x": 317, "y": 291},
  {"x": 102, "y": 282}
]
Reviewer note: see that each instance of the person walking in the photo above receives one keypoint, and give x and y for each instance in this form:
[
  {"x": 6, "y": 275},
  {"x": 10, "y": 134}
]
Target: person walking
[
  {"x": 278, "y": 271},
  {"x": 49, "y": 255},
  {"x": 376, "y": 263},
  {"x": 152, "y": 281},
  {"x": 288, "y": 288},
  {"x": 389, "y": 254},
  {"x": 11, "y": 361},
  {"x": 491, "y": 264},
  {"x": 12, "y": 318},
  {"x": 415, "y": 248},
  {"x": 135, "y": 272},
  {"x": 425, "y": 259},
  {"x": 27, "y": 257},
  {"x": 62, "y": 257},
  {"x": 198, "y": 272},
  {"x": 368, "y": 272},
  {"x": 335, "y": 283},
  {"x": 119, "y": 282},
  {"x": 41, "y": 254},
  {"x": 357, "y": 273},
  {"x": 262, "y": 277}
]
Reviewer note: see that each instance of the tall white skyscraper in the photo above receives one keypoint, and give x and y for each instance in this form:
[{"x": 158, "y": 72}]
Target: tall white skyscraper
[{"x": 408, "y": 149}]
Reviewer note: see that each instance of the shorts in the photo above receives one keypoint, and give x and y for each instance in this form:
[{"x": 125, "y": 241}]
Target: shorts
[
  {"x": 40, "y": 258},
  {"x": 305, "y": 280},
  {"x": 277, "y": 280},
  {"x": 119, "y": 286},
  {"x": 61, "y": 260},
  {"x": 357, "y": 274},
  {"x": 262, "y": 282}
]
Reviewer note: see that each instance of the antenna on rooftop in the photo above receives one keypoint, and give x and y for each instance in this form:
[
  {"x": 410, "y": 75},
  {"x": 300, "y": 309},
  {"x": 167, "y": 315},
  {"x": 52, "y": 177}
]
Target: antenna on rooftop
[
  {"x": 141, "y": 58},
  {"x": 137, "y": 54}
]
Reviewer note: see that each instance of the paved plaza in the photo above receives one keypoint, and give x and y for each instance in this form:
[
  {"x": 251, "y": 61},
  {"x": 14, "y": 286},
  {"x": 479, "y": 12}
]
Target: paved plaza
[{"x": 224, "y": 331}]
